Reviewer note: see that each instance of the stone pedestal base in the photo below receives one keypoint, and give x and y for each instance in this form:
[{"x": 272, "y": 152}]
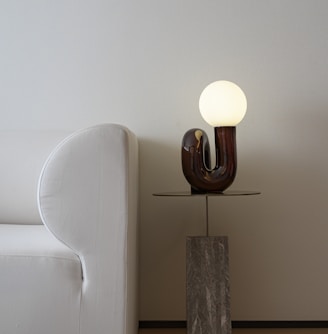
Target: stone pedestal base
[{"x": 208, "y": 288}]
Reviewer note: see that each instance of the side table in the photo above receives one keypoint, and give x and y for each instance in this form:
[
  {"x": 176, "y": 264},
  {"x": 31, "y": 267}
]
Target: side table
[{"x": 207, "y": 275}]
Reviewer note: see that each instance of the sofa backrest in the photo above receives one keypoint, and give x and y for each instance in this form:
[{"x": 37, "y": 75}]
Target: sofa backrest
[{"x": 23, "y": 154}]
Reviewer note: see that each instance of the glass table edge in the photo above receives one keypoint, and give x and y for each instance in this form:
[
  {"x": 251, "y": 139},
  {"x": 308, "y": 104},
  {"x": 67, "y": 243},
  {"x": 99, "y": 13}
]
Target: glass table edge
[{"x": 225, "y": 193}]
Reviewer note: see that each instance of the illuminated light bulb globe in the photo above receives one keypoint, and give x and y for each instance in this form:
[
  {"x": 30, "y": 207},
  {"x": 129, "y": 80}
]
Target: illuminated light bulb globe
[{"x": 222, "y": 103}]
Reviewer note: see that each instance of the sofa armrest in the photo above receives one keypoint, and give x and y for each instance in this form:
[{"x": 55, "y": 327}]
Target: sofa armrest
[{"x": 87, "y": 198}]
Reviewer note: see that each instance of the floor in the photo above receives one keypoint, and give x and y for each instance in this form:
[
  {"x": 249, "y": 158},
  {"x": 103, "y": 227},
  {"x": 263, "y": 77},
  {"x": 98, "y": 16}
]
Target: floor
[{"x": 241, "y": 331}]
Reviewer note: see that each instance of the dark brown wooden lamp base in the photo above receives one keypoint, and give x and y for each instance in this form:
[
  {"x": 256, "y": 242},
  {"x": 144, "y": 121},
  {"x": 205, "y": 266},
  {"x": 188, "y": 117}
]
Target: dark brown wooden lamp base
[{"x": 196, "y": 164}]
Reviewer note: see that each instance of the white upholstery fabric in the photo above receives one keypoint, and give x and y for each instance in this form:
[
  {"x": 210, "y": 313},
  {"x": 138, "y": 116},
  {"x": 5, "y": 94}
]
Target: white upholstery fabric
[
  {"x": 87, "y": 198},
  {"x": 76, "y": 273},
  {"x": 40, "y": 288}
]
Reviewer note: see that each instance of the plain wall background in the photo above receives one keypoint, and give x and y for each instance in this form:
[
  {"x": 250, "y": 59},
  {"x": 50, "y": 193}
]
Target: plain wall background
[{"x": 68, "y": 64}]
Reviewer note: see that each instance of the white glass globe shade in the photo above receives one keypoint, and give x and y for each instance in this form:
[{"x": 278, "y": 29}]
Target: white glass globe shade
[{"x": 222, "y": 103}]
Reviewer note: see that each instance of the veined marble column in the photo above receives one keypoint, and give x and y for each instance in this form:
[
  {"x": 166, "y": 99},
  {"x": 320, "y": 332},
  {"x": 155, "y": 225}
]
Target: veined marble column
[{"x": 208, "y": 286}]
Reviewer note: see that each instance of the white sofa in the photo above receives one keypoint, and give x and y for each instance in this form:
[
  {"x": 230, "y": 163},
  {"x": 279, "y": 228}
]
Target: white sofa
[{"x": 68, "y": 231}]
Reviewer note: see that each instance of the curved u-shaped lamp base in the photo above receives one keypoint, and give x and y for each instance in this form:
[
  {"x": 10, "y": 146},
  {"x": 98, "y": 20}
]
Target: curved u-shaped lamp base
[{"x": 195, "y": 155}]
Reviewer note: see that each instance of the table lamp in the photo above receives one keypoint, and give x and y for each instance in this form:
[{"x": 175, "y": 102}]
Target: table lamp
[{"x": 223, "y": 105}]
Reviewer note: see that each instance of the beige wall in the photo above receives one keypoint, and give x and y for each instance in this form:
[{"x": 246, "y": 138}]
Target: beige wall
[{"x": 68, "y": 64}]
